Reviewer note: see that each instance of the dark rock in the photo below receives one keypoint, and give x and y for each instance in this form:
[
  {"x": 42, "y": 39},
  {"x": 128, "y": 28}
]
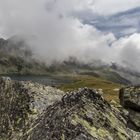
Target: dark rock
[
  {"x": 130, "y": 97},
  {"x": 37, "y": 112},
  {"x": 81, "y": 115},
  {"x": 2, "y": 42},
  {"x": 21, "y": 103},
  {"x": 134, "y": 120}
]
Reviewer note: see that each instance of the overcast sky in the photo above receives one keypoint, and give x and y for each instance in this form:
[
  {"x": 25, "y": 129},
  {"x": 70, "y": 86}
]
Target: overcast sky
[{"x": 87, "y": 29}]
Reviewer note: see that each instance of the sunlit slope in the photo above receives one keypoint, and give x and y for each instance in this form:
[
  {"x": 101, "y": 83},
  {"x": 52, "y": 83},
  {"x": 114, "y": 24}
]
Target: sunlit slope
[{"x": 110, "y": 89}]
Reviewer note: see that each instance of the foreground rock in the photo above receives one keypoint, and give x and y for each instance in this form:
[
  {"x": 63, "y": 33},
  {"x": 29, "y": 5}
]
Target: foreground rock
[
  {"x": 20, "y": 105},
  {"x": 35, "y": 112},
  {"x": 81, "y": 115},
  {"x": 130, "y": 99}
]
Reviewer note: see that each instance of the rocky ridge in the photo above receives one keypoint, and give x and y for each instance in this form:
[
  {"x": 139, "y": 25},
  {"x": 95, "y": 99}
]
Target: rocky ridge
[
  {"x": 130, "y": 99},
  {"x": 33, "y": 111},
  {"x": 81, "y": 115},
  {"x": 21, "y": 103}
]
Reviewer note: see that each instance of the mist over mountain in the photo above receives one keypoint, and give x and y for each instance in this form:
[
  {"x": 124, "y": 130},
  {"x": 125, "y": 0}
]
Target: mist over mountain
[
  {"x": 88, "y": 51},
  {"x": 56, "y": 32},
  {"x": 18, "y": 58}
]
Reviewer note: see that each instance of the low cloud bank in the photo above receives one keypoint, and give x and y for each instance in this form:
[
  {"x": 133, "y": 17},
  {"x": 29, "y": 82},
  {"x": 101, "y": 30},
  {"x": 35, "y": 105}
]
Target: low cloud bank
[{"x": 54, "y": 32}]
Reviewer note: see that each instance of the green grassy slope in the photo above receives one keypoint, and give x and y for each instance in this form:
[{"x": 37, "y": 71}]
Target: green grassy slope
[{"x": 109, "y": 89}]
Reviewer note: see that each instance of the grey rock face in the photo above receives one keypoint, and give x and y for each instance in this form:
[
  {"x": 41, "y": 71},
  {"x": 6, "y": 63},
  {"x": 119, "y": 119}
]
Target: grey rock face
[
  {"x": 21, "y": 103},
  {"x": 37, "y": 112},
  {"x": 81, "y": 115},
  {"x": 130, "y": 99}
]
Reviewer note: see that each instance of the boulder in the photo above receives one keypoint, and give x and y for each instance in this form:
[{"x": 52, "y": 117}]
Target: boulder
[
  {"x": 134, "y": 120},
  {"x": 21, "y": 103},
  {"x": 130, "y": 97},
  {"x": 36, "y": 112},
  {"x": 81, "y": 115}
]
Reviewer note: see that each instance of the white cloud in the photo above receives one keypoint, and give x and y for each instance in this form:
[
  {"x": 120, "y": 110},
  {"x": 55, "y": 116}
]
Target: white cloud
[
  {"x": 113, "y": 6},
  {"x": 127, "y": 51},
  {"x": 54, "y": 33}
]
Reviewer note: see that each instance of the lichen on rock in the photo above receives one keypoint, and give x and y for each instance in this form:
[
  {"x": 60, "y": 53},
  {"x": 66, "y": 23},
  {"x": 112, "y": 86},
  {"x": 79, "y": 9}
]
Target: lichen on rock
[
  {"x": 81, "y": 114},
  {"x": 36, "y": 112},
  {"x": 21, "y": 103},
  {"x": 130, "y": 99}
]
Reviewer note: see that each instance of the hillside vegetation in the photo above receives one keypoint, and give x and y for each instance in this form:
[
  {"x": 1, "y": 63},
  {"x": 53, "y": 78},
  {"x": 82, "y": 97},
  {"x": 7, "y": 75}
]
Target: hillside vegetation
[
  {"x": 110, "y": 89},
  {"x": 16, "y": 57}
]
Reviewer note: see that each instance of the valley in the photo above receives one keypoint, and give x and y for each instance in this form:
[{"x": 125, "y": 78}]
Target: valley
[{"x": 68, "y": 75}]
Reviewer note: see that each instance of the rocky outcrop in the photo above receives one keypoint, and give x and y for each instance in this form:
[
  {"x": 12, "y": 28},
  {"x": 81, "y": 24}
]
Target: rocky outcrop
[
  {"x": 130, "y": 99},
  {"x": 21, "y": 103},
  {"x": 37, "y": 112},
  {"x": 81, "y": 115}
]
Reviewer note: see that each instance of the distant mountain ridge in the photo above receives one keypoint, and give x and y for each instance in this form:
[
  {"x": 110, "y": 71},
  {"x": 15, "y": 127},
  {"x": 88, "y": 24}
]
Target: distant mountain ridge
[{"x": 17, "y": 58}]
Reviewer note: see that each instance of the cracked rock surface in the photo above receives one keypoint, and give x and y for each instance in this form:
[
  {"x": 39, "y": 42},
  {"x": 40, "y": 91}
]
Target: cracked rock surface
[
  {"x": 81, "y": 115},
  {"x": 30, "y": 111},
  {"x": 21, "y": 103},
  {"x": 130, "y": 99}
]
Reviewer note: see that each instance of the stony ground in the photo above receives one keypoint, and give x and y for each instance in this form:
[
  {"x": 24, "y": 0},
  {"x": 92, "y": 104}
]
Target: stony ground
[{"x": 37, "y": 112}]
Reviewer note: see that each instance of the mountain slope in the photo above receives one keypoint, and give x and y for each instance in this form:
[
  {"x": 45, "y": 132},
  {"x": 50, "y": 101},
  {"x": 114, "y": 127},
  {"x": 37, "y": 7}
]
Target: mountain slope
[{"x": 16, "y": 58}]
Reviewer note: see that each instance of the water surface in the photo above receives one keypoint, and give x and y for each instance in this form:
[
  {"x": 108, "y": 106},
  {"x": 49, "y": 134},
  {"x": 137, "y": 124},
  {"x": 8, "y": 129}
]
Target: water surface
[{"x": 46, "y": 80}]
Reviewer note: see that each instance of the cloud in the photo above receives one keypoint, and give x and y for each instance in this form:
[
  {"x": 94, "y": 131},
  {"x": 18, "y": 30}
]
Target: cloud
[
  {"x": 54, "y": 30},
  {"x": 127, "y": 51},
  {"x": 108, "y": 7},
  {"x": 120, "y": 24},
  {"x": 51, "y": 30}
]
